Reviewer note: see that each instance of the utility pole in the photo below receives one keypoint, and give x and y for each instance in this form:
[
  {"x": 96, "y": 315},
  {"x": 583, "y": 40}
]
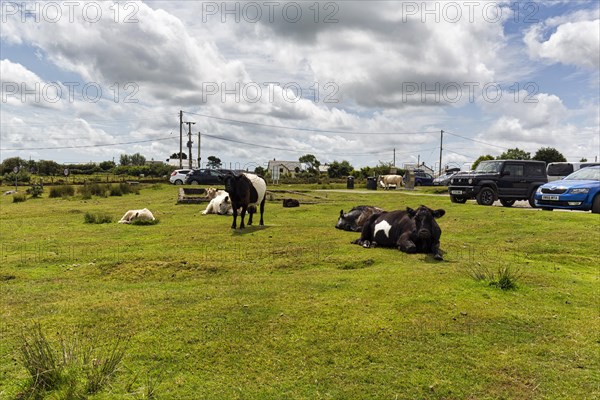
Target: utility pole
[
  {"x": 441, "y": 141},
  {"x": 199, "y": 158},
  {"x": 180, "y": 138},
  {"x": 189, "y": 143},
  {"x": 394, "y": 157}
]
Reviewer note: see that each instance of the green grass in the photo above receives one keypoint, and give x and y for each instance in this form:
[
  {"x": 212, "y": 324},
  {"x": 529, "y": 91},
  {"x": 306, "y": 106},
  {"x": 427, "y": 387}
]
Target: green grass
[{"x": 292, "y": 310}]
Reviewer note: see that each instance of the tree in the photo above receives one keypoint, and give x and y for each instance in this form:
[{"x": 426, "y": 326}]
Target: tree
[
  {"x": 312, "y": 164},
  {"x": 176, "y": 156},
  {"x": 339, "y": 170},
  {"x": 138, "y": 159},
  {"x": 515, "y": 154},
  {"x": 261, "y": 171},
  {"x": 583, "y": 160},
  {"x": 10, "y": 163},
  {"x": 480, "y": 159},
  {"x": 549, "y": 154},
  {"x": 107, "y": 165},
  {"x": 214, "y": 162},
  {"x": 49, "y": 168},
  {"x": 125, "y": 159}
]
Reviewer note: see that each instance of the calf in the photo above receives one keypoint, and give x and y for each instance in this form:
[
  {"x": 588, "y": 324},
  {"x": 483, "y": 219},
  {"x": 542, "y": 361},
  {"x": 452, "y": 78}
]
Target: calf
[
  {"x": 411, "y": 231},
  {"x": 246, "y": 190},
  {"x": 220, "y": 204},
  {"x": 355, "y": 219},
  {"x": 133, "y": 215}
]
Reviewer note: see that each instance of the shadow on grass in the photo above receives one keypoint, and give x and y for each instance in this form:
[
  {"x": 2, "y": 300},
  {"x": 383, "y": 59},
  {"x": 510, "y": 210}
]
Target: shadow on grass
[{"x": 248, "y": 229}]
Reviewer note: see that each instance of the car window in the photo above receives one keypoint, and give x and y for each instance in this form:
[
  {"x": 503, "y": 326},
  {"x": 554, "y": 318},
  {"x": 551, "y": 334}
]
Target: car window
[
  {"x": 514, "y": 169},
  {"x": 534, "y": 169}
]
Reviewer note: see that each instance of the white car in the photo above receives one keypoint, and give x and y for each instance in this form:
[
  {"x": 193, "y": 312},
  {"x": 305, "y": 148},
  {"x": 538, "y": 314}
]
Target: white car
[{"x": 178, "y": 176}]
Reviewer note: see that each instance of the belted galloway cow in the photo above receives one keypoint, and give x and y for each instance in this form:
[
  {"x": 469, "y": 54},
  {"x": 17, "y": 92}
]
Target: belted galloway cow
[{"x": 411, "y": 231}]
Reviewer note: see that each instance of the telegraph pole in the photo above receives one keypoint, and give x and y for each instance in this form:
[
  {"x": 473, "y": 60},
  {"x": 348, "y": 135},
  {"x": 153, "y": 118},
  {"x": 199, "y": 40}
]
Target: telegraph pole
[
  {"x": 441, "y": 141},
  {"x": 189, "y": 143},
  {"x": 180, "y": 138},
  {"x": 199, "y": 158}
]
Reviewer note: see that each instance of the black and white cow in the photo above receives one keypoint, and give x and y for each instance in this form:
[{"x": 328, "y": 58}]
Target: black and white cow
[
  {"x": 246, "y": 190},
  {"x": 411, "y": 231},
  {"x": 354, "y": 219}
]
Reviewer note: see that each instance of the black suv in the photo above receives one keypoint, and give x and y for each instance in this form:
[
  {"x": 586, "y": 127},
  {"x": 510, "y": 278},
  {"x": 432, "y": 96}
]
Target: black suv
[
  {"x": 504, "y": 180},
  {"x": 206, "y": 176}
]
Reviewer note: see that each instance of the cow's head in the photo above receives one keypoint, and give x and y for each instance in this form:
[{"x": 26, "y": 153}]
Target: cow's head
[
  {"x": 424, "y": 218},
  {"x": 343, "y": 222},
  {"x": 224, "y": 206}
]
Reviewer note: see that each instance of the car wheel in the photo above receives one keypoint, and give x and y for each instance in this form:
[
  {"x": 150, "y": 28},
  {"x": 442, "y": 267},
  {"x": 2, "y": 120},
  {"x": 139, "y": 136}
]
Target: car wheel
[
  {"x": 596, "y": 204},
  {"x": 194, "y": 183},
  {"x": 485, "y": 197},
  {"x": 460, "y": 200},
  {"x": 178, "y": 182},
  {"x": 532, "y": 199},
  {"x": 507, "y": 203}
]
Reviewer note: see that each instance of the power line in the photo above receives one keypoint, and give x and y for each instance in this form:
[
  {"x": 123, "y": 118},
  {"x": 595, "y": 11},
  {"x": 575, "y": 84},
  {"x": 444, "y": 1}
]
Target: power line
[
  {"x": 476, "y": 141},
  {"x": 86, "y": 146},
  {"x": 294, "y": 128}
]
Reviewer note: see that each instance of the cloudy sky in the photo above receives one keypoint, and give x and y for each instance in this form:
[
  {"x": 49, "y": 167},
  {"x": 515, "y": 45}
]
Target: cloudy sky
[{"x": 343, "y": 80}]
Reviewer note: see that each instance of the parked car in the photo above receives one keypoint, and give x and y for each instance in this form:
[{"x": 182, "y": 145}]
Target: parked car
[
  {"x": 422, "y": 178},
  {"x": 578, "y": 191},
  {"x": 559, "y": 170},
  {"x": 444, "y": 179},
  {"x": 206, "y": 176},
  {"x": 178, "y": 176},
  {"x": 504, "y": 180}
]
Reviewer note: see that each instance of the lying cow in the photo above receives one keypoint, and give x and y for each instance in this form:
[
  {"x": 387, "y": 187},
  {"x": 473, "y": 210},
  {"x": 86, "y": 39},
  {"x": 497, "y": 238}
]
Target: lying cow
[
  {"x": 220, "y": 203},
  {"x": 354, "y": 219},
  {"x": 387, "y": 180},
  {"x": 137, "y": 215},
  {"x": 411, "y": 231}
]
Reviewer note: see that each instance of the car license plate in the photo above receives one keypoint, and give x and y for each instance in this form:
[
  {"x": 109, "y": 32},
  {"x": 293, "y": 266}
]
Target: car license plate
[
  {"x": 456, "y": 192},
  {"x": 549, "y": 197}
]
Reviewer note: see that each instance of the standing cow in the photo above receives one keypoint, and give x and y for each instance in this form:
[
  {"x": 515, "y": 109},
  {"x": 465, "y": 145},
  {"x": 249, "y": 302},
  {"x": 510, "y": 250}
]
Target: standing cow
[
  {"x": 387, "y": 180},
  {"x": 355, "y": 219},
  {"x": 246, "y": 190},
  {"x": 411, "y": 231}
]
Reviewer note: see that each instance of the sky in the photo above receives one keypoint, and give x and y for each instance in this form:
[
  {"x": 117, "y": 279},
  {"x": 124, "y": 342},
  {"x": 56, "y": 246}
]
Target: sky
[{"x": 366, "y": 82}]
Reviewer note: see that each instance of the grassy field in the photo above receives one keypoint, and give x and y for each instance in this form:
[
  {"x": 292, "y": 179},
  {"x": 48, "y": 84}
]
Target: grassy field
[{"x": 292, "y": 310}]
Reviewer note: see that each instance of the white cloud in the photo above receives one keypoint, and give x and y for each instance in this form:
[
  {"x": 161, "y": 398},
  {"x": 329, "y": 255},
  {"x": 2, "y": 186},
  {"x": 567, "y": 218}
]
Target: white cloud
[{"x": 574, "y": 42}]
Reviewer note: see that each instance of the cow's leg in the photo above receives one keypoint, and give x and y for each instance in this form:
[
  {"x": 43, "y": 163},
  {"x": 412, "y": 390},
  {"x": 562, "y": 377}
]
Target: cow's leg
[
  {"x": 435, "y": 249},
  {"x": 250, "y": 214},
  {"x": 262, "y": 210},
  {"x": 405, "y": 243},
  {"x": 366, "y": 235},
  {"x": 235, "y": 214},
  {"x": 243, "y": 214}
]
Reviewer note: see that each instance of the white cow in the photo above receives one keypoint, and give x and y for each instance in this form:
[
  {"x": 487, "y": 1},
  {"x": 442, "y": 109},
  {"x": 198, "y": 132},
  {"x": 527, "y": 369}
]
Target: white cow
[
  {"x": 133, "y": 215},
  {"x": 220, "y": 204},
  {"x": 387, "y": 180}
]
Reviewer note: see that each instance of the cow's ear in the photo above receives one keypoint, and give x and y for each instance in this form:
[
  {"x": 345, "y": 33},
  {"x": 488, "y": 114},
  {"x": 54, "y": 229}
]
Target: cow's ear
[
  {"x": 341, "y": 213},
  {"x": 439, "y": 213},
  {"x": 226, "y": 199},
  {"x": 410, "y": 211}
]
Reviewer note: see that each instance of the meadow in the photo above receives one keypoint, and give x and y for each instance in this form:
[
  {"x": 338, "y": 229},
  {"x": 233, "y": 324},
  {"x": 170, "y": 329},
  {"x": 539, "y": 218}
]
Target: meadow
[{"x": 293, "y": 310}]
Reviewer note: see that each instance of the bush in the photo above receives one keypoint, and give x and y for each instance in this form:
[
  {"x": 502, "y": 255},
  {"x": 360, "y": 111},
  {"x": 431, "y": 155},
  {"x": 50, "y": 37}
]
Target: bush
[
  {"x": 116, "y": 190},
  {"x": 19, "y": 197},
  {"x": 61, "y": 191},
  {"x": 35, "y": 191},
  {"x": 90, "y": 218}
]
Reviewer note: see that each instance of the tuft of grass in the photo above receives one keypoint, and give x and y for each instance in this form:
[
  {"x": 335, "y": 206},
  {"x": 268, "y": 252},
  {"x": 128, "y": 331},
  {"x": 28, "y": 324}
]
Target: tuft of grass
[
  {"x": 504, "y": 278},
  {"x": 19, "y": 197},
  {"x": 61, "y": 191},
  {"x": 99, "y": 218},
  {"x": 70, "y": 367}
]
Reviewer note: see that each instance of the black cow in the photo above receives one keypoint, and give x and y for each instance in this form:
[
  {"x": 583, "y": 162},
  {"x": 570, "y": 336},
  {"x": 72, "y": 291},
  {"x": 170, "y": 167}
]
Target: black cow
[
  {"x": 288, "y": 203},
  {"x": 354, "y": 219},
  {"x": 411, "y": 231},
  {"x": 246, "y": 191}
]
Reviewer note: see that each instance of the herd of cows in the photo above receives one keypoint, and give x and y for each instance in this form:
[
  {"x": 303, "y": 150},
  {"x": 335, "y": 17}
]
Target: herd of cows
[{"x": 410, "y": 231}]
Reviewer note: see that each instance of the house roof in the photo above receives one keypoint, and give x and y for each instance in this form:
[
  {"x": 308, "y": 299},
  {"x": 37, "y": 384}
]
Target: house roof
[{"x": 289, "y": 165}]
